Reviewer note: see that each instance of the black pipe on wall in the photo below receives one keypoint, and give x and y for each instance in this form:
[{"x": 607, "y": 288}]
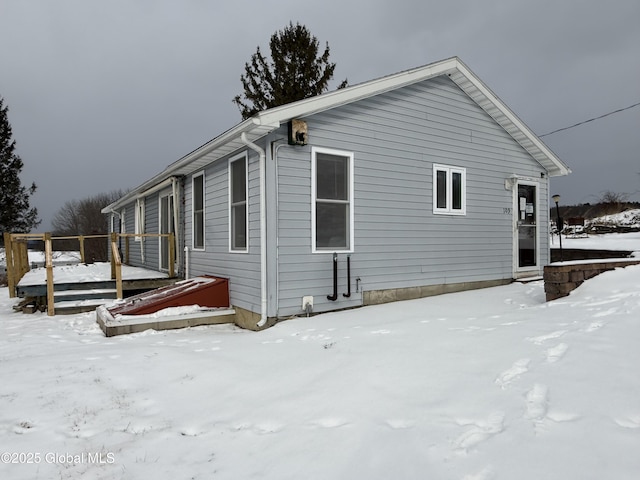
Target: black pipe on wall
[
  {"x": 348, "y": 294},
  {"x": 334, "y": 297}
]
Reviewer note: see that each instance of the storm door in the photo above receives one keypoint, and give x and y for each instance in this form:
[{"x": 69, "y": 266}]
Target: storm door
[
  {"x": 166, "y": 226},
  {"x": 527, "y": 214}
]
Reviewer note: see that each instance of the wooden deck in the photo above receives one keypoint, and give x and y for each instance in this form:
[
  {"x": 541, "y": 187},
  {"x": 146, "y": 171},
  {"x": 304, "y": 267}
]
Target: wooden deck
[
  {"x": 82, "y": 288},
  {"x": 20, "y": 276}
]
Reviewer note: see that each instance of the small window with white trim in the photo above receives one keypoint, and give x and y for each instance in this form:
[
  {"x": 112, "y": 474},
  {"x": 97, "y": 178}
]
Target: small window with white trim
[
  {"x": 449, "y": 190},
  {"x": 332, "y": 207},
  {"x": 238, "y": 218},
  {"x": 198, "y": 211}
]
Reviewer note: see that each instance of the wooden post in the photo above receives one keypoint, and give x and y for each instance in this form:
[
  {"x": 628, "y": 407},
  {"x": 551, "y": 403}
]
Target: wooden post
[
  {"x": 81, "y": 238},
  {"x": 114, "y": 248},
  {"x": 115, "y": 255},
  {"x": 21, "y": 253},
  {"x": 48, "y": 261},
  {"x": 11, "y": 273},
  {"x": 126, "y": 250},
  {"x": 172, "y": 254}
]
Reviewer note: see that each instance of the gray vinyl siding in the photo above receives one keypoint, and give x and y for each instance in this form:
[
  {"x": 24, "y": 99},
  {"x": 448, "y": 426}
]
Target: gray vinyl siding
[
  {"x": 396, "y": 138},
  {"x": 149, "y": 244},
  {"x": 152, "y": 225},
  {"x": 242, "y": 269}
]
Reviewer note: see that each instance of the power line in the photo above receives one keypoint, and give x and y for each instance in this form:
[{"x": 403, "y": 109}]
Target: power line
[{"x": 591, "y": 119}]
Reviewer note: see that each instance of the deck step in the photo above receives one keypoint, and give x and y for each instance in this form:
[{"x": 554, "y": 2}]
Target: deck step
[
  {"x": 73, "y": 308},
  {"x": 78, "y": 295}
]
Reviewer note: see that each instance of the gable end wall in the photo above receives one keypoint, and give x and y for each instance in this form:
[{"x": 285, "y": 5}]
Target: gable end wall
[{"x": 396, "y": 138}]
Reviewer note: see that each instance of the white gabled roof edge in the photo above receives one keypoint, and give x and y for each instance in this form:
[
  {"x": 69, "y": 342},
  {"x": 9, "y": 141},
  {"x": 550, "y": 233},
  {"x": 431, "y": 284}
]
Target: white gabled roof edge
[
  {"x": 265, "y": 122},
  {"x": 490, "y": 103}
]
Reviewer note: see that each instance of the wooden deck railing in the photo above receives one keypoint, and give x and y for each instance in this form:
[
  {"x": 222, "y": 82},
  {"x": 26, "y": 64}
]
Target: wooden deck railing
[{"x": 17, "y": 258}]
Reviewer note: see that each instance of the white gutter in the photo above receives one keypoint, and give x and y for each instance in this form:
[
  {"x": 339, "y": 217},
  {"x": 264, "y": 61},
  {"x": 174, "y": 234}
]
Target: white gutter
[
  {"x": 129, "y": 197},
  {"x": 263, "y": 230}
]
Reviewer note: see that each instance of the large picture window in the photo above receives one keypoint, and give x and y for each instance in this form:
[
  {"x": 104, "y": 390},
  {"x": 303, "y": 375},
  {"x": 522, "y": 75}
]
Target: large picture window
[
  {"x": 238, "y": 218},
  {"x": 449, "y": 190},
  {"x": 198, "y": 212},
  {"x": 332, "y": 210}
]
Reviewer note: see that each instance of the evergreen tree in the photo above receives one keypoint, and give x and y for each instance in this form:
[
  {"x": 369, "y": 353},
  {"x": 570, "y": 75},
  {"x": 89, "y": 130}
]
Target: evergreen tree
[
  {"x": 16, "y": 215},
  {"x": 295, "y": 72}
]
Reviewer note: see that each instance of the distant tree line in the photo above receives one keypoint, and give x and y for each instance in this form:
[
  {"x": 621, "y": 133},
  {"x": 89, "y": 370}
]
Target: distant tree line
[
  {"x": 608, "y": 203},
  {"x": 85, "y": 217}
]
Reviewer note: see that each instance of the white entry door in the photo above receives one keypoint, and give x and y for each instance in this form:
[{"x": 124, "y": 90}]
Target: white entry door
[{"x": 526, "y": 211}]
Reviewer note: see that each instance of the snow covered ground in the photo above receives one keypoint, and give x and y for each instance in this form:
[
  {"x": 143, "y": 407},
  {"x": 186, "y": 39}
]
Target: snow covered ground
[
  {"x": 487, "y": 384},
  {"x": 628, "y": 218},
  {"x": 611, "y": 241}
]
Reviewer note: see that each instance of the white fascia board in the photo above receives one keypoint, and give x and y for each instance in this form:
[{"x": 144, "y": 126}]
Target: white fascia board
[
  {"x": 354, "y": 93},
  {"x": 139, "y": 192}
]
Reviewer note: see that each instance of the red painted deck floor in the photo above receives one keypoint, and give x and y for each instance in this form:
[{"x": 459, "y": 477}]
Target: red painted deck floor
[{"x": 205, "y": 291}]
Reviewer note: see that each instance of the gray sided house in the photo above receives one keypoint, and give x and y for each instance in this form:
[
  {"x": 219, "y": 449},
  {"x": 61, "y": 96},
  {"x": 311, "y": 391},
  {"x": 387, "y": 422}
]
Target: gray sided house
[{"x": 417, "y": 183}]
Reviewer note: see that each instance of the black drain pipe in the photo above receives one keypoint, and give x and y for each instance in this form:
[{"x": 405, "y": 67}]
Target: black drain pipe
[
  {"x": 348, "y": 294},
  {"x": 334, "y": 297}
]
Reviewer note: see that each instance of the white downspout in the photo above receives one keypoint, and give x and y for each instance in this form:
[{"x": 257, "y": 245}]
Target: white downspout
[{"x": 263, "y": 230}]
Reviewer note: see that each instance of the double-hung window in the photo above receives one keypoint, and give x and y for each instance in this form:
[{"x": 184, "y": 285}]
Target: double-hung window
[
  {"x": 238, "y": 218},
  {"x": 198, "y": 211},
  {"x": 332, "y": 208},
  {"x": 449, "y": 190}
]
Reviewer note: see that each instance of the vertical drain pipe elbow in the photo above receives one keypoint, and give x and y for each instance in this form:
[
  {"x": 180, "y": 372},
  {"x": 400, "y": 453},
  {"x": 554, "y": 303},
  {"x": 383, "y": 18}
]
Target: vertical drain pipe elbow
[
  {"x": 263, "y": 229},
  {"x": 348, "y": 294},
  {"x": 333, "y": 297}
]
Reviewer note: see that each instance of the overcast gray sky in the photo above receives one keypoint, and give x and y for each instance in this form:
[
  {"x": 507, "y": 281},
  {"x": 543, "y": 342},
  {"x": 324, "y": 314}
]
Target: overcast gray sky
[{"x": 104, "y": 94}]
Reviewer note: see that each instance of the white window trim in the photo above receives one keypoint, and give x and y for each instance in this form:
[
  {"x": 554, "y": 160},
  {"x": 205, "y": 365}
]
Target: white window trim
[
  {"x": 193, "y": 212},
  {"x": 340, "y": 153},
  {"x": 448, "y": 210},
  {"x": 246, "y": 196},
  {"x": 139, "y": 219}
]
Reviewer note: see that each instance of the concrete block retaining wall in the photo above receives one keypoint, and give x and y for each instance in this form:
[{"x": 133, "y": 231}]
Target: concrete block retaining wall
[{"x": 562, "y": 278}]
